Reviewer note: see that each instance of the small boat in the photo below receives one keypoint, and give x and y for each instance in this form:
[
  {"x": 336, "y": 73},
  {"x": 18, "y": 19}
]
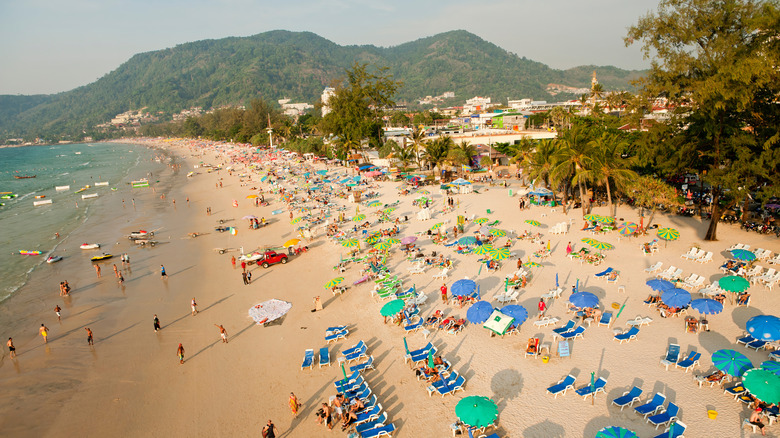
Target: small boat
[
  {"x": 81, "y": 190},
  {"x": 89, "y": 196},
  {"x": 140, "y": 183},
  {"x": 43, "y": 202},
  {"x": 189, "y": 175},
  {"x": 101, "y": 183},
  {"x": 24, "y": 176},
  {"x": 53, "y": 259},
  {"x": 40, "y": 196},
  {"x": 5, "y": 193},
  {"x": 113, "y": 189},
  {"x": 77, "y": 153},
  {"x": 89, "y": 246},
  {"x": 9, "y": 196},
  {"x": 104, "y": 256},
  {"x": 61, "y": 188},
  {"x": 26, "y": 252}
]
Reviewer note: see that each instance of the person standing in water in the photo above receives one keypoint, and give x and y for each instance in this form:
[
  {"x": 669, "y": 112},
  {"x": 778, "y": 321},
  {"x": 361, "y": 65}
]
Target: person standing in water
[
  {"x": 90, "y": 341},
  {"x": 57, "y": 310},
  {"x": 162, "y": 272},
  {"x": 194, "y": 306}
]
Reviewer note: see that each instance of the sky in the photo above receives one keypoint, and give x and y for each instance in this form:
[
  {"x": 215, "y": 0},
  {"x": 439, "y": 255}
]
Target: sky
[{"x": 50, "y": 46}]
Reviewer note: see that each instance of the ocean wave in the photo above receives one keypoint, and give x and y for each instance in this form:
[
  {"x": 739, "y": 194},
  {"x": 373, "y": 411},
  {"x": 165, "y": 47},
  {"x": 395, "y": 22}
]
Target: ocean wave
[
  {"x": 24, "y": 196},
  {"x": 63, "y": 174},
  {"x": 84, "y": 164}
]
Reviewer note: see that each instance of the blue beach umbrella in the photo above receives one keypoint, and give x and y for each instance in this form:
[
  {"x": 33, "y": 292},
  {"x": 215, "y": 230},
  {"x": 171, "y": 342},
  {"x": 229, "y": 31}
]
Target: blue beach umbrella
[
  {"x": 707, "y": 306},
  {"x": 731, "y": 362},
  {"x": 463, "y": 287},
  {"x": 467, "y": 240},
  {"x": 771, "y": 366},
  {"x": 584, "y": 299},
  {"x": 615, "y": 432},
  {"x": 660, "y": 285},
  {"x": 764, "y": 327},
  {"x": 479, "y": 312},
  {"x": 676, "y": 297},
  {"x": 519, "y": 313},
  {"x": 743, "y": 254}
]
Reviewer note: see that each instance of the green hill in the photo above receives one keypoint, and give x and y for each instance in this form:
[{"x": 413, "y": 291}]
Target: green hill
[{"x": 298, "y": 65}]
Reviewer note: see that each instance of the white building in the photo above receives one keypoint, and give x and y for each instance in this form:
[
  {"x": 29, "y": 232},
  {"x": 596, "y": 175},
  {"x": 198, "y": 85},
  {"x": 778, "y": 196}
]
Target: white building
[
  {"x": 327, "y": 93},
  {"x": 476, "y": 104},
  {"x": 294, "y": 109}
]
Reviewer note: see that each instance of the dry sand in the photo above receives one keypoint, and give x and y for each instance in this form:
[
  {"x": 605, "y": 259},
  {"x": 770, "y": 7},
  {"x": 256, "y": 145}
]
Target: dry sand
[{"x": 131, "y": 384}]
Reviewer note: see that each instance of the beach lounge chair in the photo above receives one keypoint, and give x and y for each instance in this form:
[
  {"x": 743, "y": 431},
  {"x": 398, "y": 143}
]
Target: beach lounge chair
[
  {"x": 689, "y": 362},
  {"x": 672, "y": 356},
  {"x": 373, "y": 424},
  {"x": 562, "y": 386},
  {"x": 418, "y": 269},
  {"x": 568, "y": 327},
  {"x": 667, "y": 271},
  {"x": 746, "y": 339},
  {"x": 508, "y": 297},
  {"x": 598, "y": 386},
  {"x": 308, "y": 359},
  {"x": 664, "y": 417},
  {"x": 627, "y": 336},
  {"x": 336, "y": 335},
  {"x": 775, "y": 355},
  {"x": 628, "y": 398},
  {"x": 651, "y": 407},
  {"x": 357, "y": 347},
  {"x": 606, "y": 319},
  {"x": 654, "y": 268},
  {"x": 349, "y": 380},
  {"x": 369, "y": 364},
  {"x": 386, "y": 430},
  {"x": 675, "y": 430},
  {"x": 362, "y": 392},
  {"x": 574, "y": 334},
  {"x": 414, "y": 326},
  {"x": 355, "y": 385},
  {"x": 706, "y": 258},
  {"x": 553, "y": 293},
  {"x": 775, "y": 260},
  {"x": 691, "y": 254},
  {"x": 442, "y": 274},
  {"x": 324, "y": 357},
  {"x": 546, "y": 320},
  {"x": 356, "y": 355},
  {"x": 533, "y": 348},
  {"x": 756, "y": 345},
  {"x": 419, "y": 299},
  {"x": 670, "y": 276},
  {"x": 735, "y": 390},
  {"x": 713, "y": 379},
  {"x": 369, "y": 414},
  {"x": 420, "y": 356},
  {"x": 639, "y": 321},
  {"x": 604, "y": 273}
]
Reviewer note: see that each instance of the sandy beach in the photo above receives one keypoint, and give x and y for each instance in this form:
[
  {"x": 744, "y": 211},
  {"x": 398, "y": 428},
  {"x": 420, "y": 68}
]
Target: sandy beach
[{"x": 130, "y": 383}]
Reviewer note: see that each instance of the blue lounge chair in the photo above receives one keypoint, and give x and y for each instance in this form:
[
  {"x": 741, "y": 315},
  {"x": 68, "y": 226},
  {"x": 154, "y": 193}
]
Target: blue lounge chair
[
  {"x": 458, "y": 383},
  {"x": 335, "y": 335},
  {"x": 628, "y": 398},
  {"x": 562, "y": 386},
  {"x": 361, "y": 392},
  {"x": 358, "y": 385},
  {"x": 775, "y": 355},
  {"x": 308, "y": 359},
  {"x": 368, "y": 404},
  {"x": 756, "y": 345},
  {"x": 604, "y": 273},
  {"x": 369, "y": 364},
  {"x": 665, "y": 417},
  {"x": 606, "y": 319},
  {"x": 369, "y": 415},
  {"x": 413, "y": 326},
  {"x": 598, "y": 386},
  {"x": 574, "y": 334},
  {"x": 735, "y": 390},
  {"x": 672, "y": 356},
  {"x": 746, "y": 339},
  {"x": 357, "y": 347},
  {"x": 627, "y": 336},
  {"x": 386, "y": 430},
  {"x": 416, "y": 353},
  {"x": 450, "y": 387},
  {"x": 652, "y": 406},
  {"x": 350, "y": 383},
  {"x": 365, "y": 427},
  {"x": 324, "y": 357},
  {"x": 349, "y": 380},
  {"x": 356, "y": 355},
  {"x": 677, "y": 429},
  {"x": 336, "y": 328},
  {"x": 568, "y": 327},
  {"x": 689, "y": 362}
]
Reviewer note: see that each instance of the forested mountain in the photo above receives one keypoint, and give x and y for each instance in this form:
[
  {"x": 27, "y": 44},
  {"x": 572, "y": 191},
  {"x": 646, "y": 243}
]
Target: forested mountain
[{"x": 297, "y": 65}]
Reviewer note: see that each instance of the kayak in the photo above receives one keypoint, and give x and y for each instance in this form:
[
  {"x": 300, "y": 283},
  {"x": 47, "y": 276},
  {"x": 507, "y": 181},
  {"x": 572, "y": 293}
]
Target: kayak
[
  {"x": 11, "y": 196},
  {"x": 90, "y": 246},
  {"x": 101, "y": 257},
  {"x": 53, "y": 259},
  {"x": 25, "y": 252}
]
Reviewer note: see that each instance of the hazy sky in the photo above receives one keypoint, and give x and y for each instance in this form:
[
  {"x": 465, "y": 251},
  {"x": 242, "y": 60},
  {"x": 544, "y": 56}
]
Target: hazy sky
[{"x": 50, "y": 46}]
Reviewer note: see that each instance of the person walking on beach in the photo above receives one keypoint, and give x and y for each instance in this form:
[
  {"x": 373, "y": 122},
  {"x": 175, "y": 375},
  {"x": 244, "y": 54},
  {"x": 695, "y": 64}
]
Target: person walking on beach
[
  {"x": 162, "y": 272},
  {"x": 57, "y": 310},
  {"x": 443, "y": 293},
  {"x": 233, "y": 261},
  {"x": 222, "y": 333},
  {"x": 11, "y": 348},
  {"x": 156, "y": 323},
  {"x": 180, "y": 353},
  {"x": 121, "y": 277},
  {"x": 243, "y": 265},
  {"x": 127, "y": 259},
  {"x": 97, "y": 270},
  {"x": 542, "y": 307},
  {"x": 89, "y": 336},
  {"x": 569, "y": 249},
  {"x": 294, "y": 405},
  {"x": 116, "y": 271},
  {"x": 244, "y": 276},
  {"x": 248, "y": 277},
  {"x": 194, "y": 306},
  {"x": 270, "y": 431},
  {"x": 44, "y": 331}
]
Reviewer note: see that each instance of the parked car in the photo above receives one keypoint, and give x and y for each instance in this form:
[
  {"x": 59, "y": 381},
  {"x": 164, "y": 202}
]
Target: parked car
[{"x": 271, "y": 258}]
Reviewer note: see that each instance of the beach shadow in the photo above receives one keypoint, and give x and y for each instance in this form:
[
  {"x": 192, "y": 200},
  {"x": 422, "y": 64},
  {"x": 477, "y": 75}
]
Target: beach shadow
[
  {"x": 181, "y": 270},
  {"x": 118, "y": 332},
  {"x": 175, "y": 320},
  {"x": 506, "y": 385},
  {"x": 204, "y": 349},
  {"x": 712, "y": 341},
  {"x": 545, "y": 429},
  {"x": 230, "y": 338},
  {"x": 215, "y": 303},
  {"x": 742, "y": 314}
]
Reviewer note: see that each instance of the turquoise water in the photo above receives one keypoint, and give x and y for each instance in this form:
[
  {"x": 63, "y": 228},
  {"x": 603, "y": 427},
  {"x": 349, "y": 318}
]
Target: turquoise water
[{"x": 27, "y": 227}]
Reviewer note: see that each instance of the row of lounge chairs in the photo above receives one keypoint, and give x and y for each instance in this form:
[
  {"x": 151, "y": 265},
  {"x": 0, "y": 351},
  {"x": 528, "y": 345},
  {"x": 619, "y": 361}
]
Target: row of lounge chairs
[
  {"x": 654, "y": 412},
  {"x": 698, "y": 255},
  {"x": 370, "y": 421},
  {"x": 586, "y": 391},
  {"x": 449, "y": 382},
  {"x": 673, "y": 358}
]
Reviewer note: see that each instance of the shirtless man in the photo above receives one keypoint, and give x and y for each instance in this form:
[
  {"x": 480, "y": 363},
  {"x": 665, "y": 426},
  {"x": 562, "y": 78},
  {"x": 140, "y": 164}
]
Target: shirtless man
[
  {"x": 756, "y": 420},
  {"x": 222, "y": 333},
  {"x": 97, "y": 270},
  {"x": 44, "y": 331},
  {"x": 90, "y": 341},
  {"x": 57, "y": 310},
  {"x": 11, "y": 348},
  {"x": 325, "y": 415}
]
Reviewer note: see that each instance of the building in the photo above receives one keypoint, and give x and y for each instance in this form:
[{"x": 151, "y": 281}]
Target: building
[
  {"x": 294, "y": 109},
  {"x": 476, "y": 104},
  {"x": 327, "y": 93}
]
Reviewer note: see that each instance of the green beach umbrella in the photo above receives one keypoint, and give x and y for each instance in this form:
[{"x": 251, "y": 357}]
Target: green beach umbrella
[
  {"x": 406, "y": 346},
  {"x": 601, "y": 245},
  {"x": 467, "y": 240},
  {"x": 437, "y": 226},
  {"x": 392, "y": 308},
  {"x": 731, "y": 362},
  {"x": 605, "y": 219},
  {"x": 615, "y": 432},
  {"x": 350, "y": 243},
  {"x": 733, "y": 283},
  {"x": 481, "y": 220},
  {"x": 358, "y": 218},
  {"x": 532, "y": 222},
  {"x": 476, "y": 411},
  {"x": 296, "y": 220},
  {"x": 498, "y": 233},
  {"x": 763, "y": 384},
  {"x": 374, "y": 203},
  {"x": 393, "y": 241},
  {"x": 588, "y": 240},
  {"x": 430, "y": 358},
  {"x": 422, "y": 199},
  {"x": 382, "y": 246},
  {"x": 389, "y": 210},
  {"x": 592, "y": 217},
  {"x": 374, "y": 238},
  {"x": 668, "y": 234},
  {"x": 483, "y": 249},
  {"x": 627, "y": 228},
  {"x": 335, "y": 282},
  {"x": 499, "y": 253},
  {"x": 531, "y": 264}
]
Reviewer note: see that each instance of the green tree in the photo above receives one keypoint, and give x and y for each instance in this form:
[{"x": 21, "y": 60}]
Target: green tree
[
  {"x": 716, "y": 63},
  {"x": 437, "y": 151},
  {"x": 573, "y": 157},
  {"x": 606, "y": 166},
  {"x": 462, "y": 153},
  {"x": 417, "y": 137},
  {"x": 542, "y": 164},
  {"x": 650, "y": 193},
  {"x": 404, "y": 154}
]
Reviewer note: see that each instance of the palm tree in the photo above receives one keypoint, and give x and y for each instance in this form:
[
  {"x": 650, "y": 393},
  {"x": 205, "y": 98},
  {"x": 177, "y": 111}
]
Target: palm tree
[
  {"x": 523, "y": 153},
  {"x": 573, "y": 159},
  {"x": 606, "y": 165},
  {"x": 417, "y": 137},
  {"x": 404, "y": 154},
  {"x": 436, "y": 151},
  {"x": 541, "y": 164},
  {"x": 462, "y": 153}
]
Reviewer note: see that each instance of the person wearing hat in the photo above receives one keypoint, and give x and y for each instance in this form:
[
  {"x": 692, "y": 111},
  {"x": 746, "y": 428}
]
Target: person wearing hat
[{"x": 756, "y": 421}]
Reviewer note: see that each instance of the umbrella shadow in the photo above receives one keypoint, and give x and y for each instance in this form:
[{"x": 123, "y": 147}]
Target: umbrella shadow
[
  {"x": 742, "y": 314},
  {"x": 545, "y": 429},
  {"x": 713, "y": 341},
  {"x": 506, "y": 385}
]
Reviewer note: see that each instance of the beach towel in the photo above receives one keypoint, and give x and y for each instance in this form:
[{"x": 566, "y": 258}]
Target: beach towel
[{"x": 268, "y": 311}]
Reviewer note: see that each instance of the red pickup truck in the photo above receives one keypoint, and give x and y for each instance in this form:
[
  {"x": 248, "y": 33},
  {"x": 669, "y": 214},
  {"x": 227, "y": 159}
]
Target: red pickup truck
[{"x": 272, "y": 258}]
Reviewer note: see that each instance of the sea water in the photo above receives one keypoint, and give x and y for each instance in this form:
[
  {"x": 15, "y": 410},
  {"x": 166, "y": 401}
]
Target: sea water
[{"x": 27, "y": 227}]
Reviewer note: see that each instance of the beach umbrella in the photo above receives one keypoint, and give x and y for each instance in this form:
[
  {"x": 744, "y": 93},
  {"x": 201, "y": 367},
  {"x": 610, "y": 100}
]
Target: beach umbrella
[
  {"x": 499, "y": 253},
  {"x": 763, "y": 384},
  {"x": 592, "y": 217},
  {"x": 479, "y": 312},
  {"x": 627, "y": 228},
  {"x": 519, "y": 313},
  {"x": 389, "y": 210},
  {"x": 250, "y": 216},
  {"x": 743, "y": 254},
  {"x": 764, "y": 327},
  {"x": 733, "y": 283},
  {"x": 676, "y": 297},
  {"x": 530, "y": 264},
  {"x": 322, "y": 172},
  {"x": 392, "y": 308},
  {"x": 707, "y": 306},
  {"x": 406, "y": 346},
  {"x": 668, "y": 234},
  {"x": 430, "y": 359},
  {"x": 605, "y": 219},
  {"x": 382, "y": 246},
  {"x": 408, "y": 240},
  {"x": 731, "y": 362},
  {"x": 358, "y": 218},
  {"x": 588, "y": 240},
  {"x": 660, "y": 285},
  {"x": 483, "y": 249},
  {"x": 333, "y": 283},
  {"x": 532, "y": 222},
  {"x": 373, "y": 238},
  {"x": 583, "y": 299},
  {"x": 498, "y": 233},
  {"x": 467, "y": 240},
  {"x": 463, "y": 287},
  {"x": 291, "y": 242},
  {"x": 437, "y": 226},
  {"x": 374, "y": 203},
  {"x": 615, "y": 432},
  {"x": 393, "y": 241},
  {"x": 350, "y": 243},
  {"x": 252, "y": 197},
  {"x": 482, "y": 220},
  {"x": 423, "y": 192},
  {"x": 771, "y": 366},
  {"x": 476, "y": 411},
  {"x": 296, "y": 220},
  {"x": 601, "y": 245}
]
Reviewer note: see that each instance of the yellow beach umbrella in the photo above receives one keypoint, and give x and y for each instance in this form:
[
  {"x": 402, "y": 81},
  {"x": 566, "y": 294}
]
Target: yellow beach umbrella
[
  {"x": 296, "y": 220},
  {"x": 291, "y": 242},
  {"x": 483, "y": 249},
  {"x": 481, "y": 220},
  {"x": 333, "y": 283}
]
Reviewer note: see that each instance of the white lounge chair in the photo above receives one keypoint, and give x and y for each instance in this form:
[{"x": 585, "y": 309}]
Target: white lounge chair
[
  {"x": 696, "y": 284},
  {"x": 654, "y": 268},
  {"x": 546, "y": 320},
  {"x": 691, "y": 254},
  {"x": 768, "y": 275},
  {"x": 640, "y": 321},
  {"x": 442, "y": 274},
  {"x": 707, "y": 258},
  {"x": 417, "y": 269},
  {"x": 762, "y": 254},
  {"x": 553, "y": 293},
  {"x": 508, "y": 297},
  {"x": 775, "y": 260},
  {"x": 667, "y": 271}
]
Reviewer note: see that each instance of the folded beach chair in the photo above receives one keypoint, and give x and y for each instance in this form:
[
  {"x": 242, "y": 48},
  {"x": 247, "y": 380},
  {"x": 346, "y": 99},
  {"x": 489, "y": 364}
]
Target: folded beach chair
[
  {"x": 367, "y": 365},
  {"x": 350, "y": 380},
  {"x": 574, "y": 334},
  {"x": 606, "y": 319},
  {"x": 561, "y": 330},
  {"x": 378, "y": 422},
  {"x": 386, "y": 430},
  {"x": 627, "y": 336},
  {"x": 357, "y": 347},
  {"x": 651, "y": 407},
  {"x": 562, "y": 386},
  {"x": 689, "y": 362},
  {"x": 628, "y": 398},
  {"x": 324, "y": 357},
  {"x": 604, "y": 273},
  {"x": 675, "y": 430},
  {"x": 308, "y": 359},
  {"x": 587, "y": 391},
  {"x": 664, "y": 417},
  {"x": 654, "y": 267},
  {"x": 335, "y": 335},
  {"x": 672, "y": 356}
]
